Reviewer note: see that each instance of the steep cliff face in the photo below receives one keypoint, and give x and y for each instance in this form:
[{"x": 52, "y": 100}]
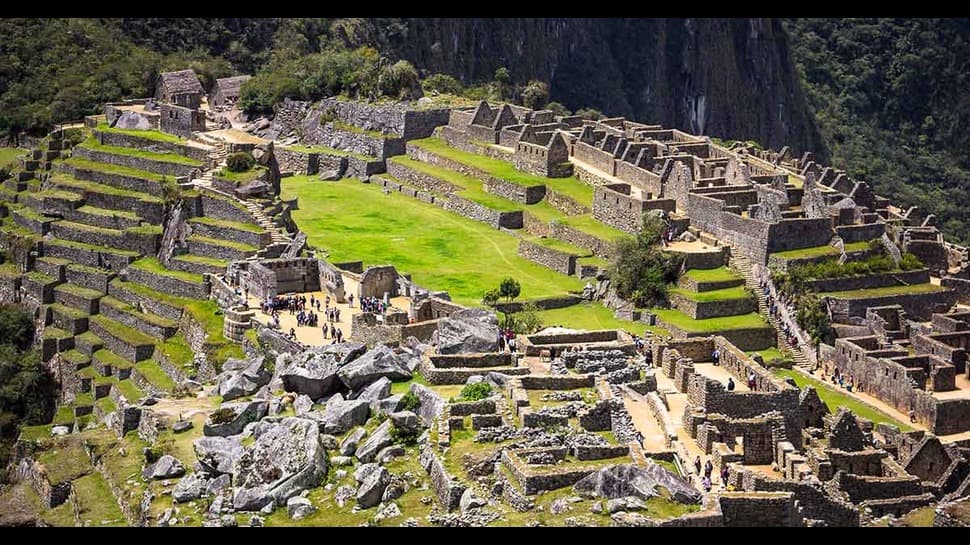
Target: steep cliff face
[{"x": 731, "y": 78}]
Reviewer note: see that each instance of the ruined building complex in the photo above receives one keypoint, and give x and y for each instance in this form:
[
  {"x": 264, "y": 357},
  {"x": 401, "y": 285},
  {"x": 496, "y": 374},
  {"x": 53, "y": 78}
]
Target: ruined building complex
[{"x": 148, "y": 265}]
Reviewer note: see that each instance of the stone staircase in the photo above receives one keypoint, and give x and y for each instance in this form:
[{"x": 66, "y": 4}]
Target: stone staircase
[
  {"x": 217, "y": 158},
  {"x": 746, "y": 268}
]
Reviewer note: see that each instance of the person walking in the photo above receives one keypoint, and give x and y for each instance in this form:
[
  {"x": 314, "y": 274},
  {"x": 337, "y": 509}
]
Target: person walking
[{"x": 697, "y": 464}]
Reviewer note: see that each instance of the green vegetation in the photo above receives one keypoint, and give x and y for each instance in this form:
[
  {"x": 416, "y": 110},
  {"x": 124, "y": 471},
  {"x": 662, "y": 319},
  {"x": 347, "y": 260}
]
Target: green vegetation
[
  {"x": 177, "y": 350},
  {"x": 877, "y": 262},
  {"x": 110, "y": 358},
  {"x": 150, "y": 134},
  {"x": 129, "y": 335},
  {"x": 90, "y": 247},
  {"x": 725, "y": 294},
  {"x": 236, "y": 225},
  {"x": 818, "y": 251},
  {"x": 128, "y": 389},
  {"x": 641, "y": 270},
  {"x": 152, "y": 372},
  {"x": 410, "y": 402},
  {"x": 883, "y": 292},
  {"x": 440, "y": 249},
  {"x": 66, "y": 461},
  {"x": 241, "y": 161},
  {"x": 154, "y": 266},
  {"x": 243, "y": 177},
  {"x": 96, "y": 503},
  {"x": 8, "y": 158},
  {"x": 60, "y": 180},
  {"x": 594, "y": 316},
  {"x": 720, "y": 274},
  {"x": 115, "y": 169},
  {"x": 835, "y": 398},
  {"x": 769, "y": 354},
  {"x": 472, "y": 191},
  {"x": 93, "y": 145},
  {"x": 474, "y": 392},
  {"x": 710, "y": 325},
  {"x": 201, "y": 259},
  {"x": 143, "y": 316},
  {"x": 560, "y": 246},
  {"x": 570, "y": 187}
]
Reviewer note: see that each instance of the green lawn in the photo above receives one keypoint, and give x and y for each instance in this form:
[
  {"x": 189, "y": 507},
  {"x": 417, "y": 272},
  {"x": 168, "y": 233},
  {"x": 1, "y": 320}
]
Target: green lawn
[
  {"x": 67, "y": 181},
  {"x": 587, "y": 224},
  {"x": 149, "y": 134},
  {"x": 442, "y": 250},
  {"x": 769, "y": 354},
  {"x": 202, "y": 260},
  {"x": 240, "y": 178},
  {"x": 128, "y": 334},
  {"x": 153, "y": 319},
  {"x": 472, "y": 191},
  {"x": 818, "y": 251},
  {"x": 84, "y": 164},
  {"x": 152, "y": 372},
  {"x": 177, "y": 350},
  {"x": 109, "y": 213},
  {"x": 725, "y": 294},
  {"x": 8, "y": 157},
  {"x": 720, "y": 274},
  {"x": 93, "y": 144},
  {"x": 835, "y": 398},
  {"x": 153, "y": 265},
  {"x": 91, "y": 247},
  {"x": 710, "y": 325},
  {"x": 96, "y": 503},
  {"x": 241, "y": 246},
  {"x": 570, "y": 187},
  {"x": 130, "y": 390},
  {"x": 593, "y": 316},
  {"x": 110, "y": 358},
  {"x": 882, "y": 292},
  {"x": 559, "y": 246}
]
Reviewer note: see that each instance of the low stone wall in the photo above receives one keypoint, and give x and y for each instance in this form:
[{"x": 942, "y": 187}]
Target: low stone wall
[
  {"x": 95, "y": 280},
  {"x": 535, "y": 226},
  {"x": 160, "y": 332},
  {"x": 419, "y": 179},
  {"x": 690, "y": 284},
  {"x": 589, "y": 452},
  {"x": 534, "y": 481},
  {"x": 467, "y": 408},
  {"x": 165, "y": 168},
  {"x": 152, "y": 212},
  {"x": 515, "y": 192},
  {"x": 91, "y": 258},
  {"x": 764, "y": 509},
  {"x": 371, "y": 334},
  {"x": 119, "y": 181},
  {"x": 220, "y": 207},
  {"x": 169, "y": 284},
  {"x": 260, "y": 239},
  {"x": 557, "y": 382},
  {"x": 218, "y": 251},
  {"x": 603, "y": 335},
  {"x": 450, "y": 361},
  {"x": 478, "y": 212},
  {"x": 699, "y": 310},
  {"x": 561, "y": 262},
  {"x": 705, "y": 260},
  {"x": 459, "y": 375},
  {"x": 121, "y": 347},
  {"x": 599, "y": 247},
  {"x": 196, "y": 152},
  {"x": 100, "y": 220},
  {"x": 566, "y": 205},
  {"x": 447, "y": 488},
  {"x": 51, "y": 495},
  {"x": 917, "y": 305},
  {"x": 155, "y": 306},
  {"x": 143, "y": 243},
  {"x": 745, "y": 339},
  {"x": 869, "y": 281}
]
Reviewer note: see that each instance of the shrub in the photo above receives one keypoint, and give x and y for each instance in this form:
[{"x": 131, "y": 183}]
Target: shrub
[
  {"x": 475, "y": 392},
  {"x": 410, "y": 402},
  {"x": 240, "y": 161},
  {"x": 442, "y": 83},
  {"x": 405, "y": 437},
  {"x": 558, "y": 109}
]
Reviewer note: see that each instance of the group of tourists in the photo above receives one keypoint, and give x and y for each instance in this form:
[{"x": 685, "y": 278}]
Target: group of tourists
[
  {"x": 371, "y": 304},
  {"x": 506, "y": 340},
  {"x": 708, "y": 470},
  {"x": 842, "y": 380},
  {"x": 772, "y": 305}
]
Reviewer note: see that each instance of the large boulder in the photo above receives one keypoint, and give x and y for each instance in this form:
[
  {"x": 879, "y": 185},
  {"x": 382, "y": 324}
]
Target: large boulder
[
  {"x": 405, "y": 420},
  {"x": 374, "y": 392},
  {"x": 349, "y": 445},
  {"x": 299, "y": 507},
  {"x": 217, "y": 454},
  {"x": 376, "y": 363},
  {"x": 373, "y": 479},
  {"x": 431, "y": 403},
  {"x": 367, "y": 451},
  {"x": 340, "y": 416},
  {"x": 167, "y": 467},
  {"x": 467, "y": 331},
  {"x": 623, "y": 480},
  {"x": 344, "y": 352},
  {"x": 242, "y": 377},
  {"x": 470, "y": 500},
  {"x": 231, "y": 418},
  {"x": 285, "y": 459},
  {"x": 190, "y": 487},
  {"x": 312, "y": 372},
  {"x": 389, "y": 404}
]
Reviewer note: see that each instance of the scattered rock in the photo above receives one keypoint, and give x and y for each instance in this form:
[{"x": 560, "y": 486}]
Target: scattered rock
[
  {"x": 411, "y": 522},
  {"x": 386, "y": 511},
  {"x": 285, "y": 459},
  {"x": 367, "y": 451},
  {"x": 231, "y": 418},
  {"x": 374, "y": 392},
  {"x": 628, "y": 503},
  {"x": 378, "y": 362},
  {"x": 395, "y": 488},
  {"x": 329, "y": 175},
  {"x": 467, "y": 331},
  {"x": 405, "y": 420},
  {"x": 469, "y": 500},
  {"x": 242, "y": 377},
  {"x": 256, "y": 521},
  {"x": 60, "y": 430},
  {"x": 373, "y": 480},
  {"x": 312, "y": 373},
  {"x": 228, "y": 521},
  {"x": 431, "y": 403},
  {"x": 343, "y": 494},
  {"x": 559, "y": 506},
  {"x": 189, "y": 488},
  {"x": 622, "y": 480},
  {"x": 303, "y": 404},
  {"x": 340, "y": 416},
  {"x": 182, "y": 426},
  {"x": 329, "y": 442},
  {"x": 167, "y": 467},
  {"x": 389, "y": 453},
  {"x": 341, "y": 461},
  {"x": 350, "y": 442},
  {"x": 147, "y": 401},
  {"x": 474, "y": 379},
  {"x": 217, "y": 485},
  {"x": 390, "y": 404},
  {"x": 299, "y": 507},
  {"x": 217, "y": 454}
]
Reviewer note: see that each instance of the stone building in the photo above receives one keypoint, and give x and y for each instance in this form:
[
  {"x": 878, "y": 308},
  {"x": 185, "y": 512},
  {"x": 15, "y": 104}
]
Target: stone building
[
  {"x": 225, "y": 91},
  {"x": 180, "y": 88}
]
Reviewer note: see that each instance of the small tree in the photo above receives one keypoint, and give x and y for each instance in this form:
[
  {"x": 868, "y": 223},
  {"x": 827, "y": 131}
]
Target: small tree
[
  {"x": 503, "y": 81},
  {"x": 535, "y": 94},
  {"x": 442, "y": 83},
  {"x": 590, "y": 113},
  {"x": 240, "y": 161},
  {"x": 558, "y": 109},
  {"x": 814, "y": 319},
  {"x": 527, "y": 320},
  {"x": 490, "y": 297},
  {"x": 641, "y": 270},
  {"x": 509, "y": 289}
]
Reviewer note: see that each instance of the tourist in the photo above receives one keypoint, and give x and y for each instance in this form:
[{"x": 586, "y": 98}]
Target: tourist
[
  {"x": 292, "y": 333},
  {"x": 697, "y": 464},
  {"x": 730, "y": 384},
  {"x": 340, "y": 336},
  {"x": 333, "y": 332},
  {"x": 751, "y": 381},
  {"x": 350, "y": 300},
  {"x": 724, "y": 474},
  {"x": 912, "y": 416},
  {"x": 337, "y": 313},
  {"x": 715, "y": 356},
  {"x": 707, "y": 483},
  {"x": 708, "y": 468},
  {"x": 324, "y": 331},
  {"x": 848, "y": 385}
]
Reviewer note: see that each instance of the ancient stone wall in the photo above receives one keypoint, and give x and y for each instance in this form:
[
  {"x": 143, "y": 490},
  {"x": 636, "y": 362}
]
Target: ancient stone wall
[
  {"x": 166, "y": 168},
  {"x": 699, "y": 310},
  {"x": 419, "y": 179},
  {"x": 599, "y": 247},
  {"x": 876, "y": 280},
  {"x": 181, "y": 121},
  {"x": 595, "y": 157},
  {"x": 221, "y": 207},
  {"x": 917, "y": 305},
  {"x": 170, "y": 284},
  {"x": 561, "y": 262},
  {"x": 754, "y": 509},
  {"x": 447, "y": 488},
  {"x": 473, "y": 210},
  {"x": 860, "y": 233},
  {"x": 198, "y": 152},
  {"x": 155, "y": 306}
]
